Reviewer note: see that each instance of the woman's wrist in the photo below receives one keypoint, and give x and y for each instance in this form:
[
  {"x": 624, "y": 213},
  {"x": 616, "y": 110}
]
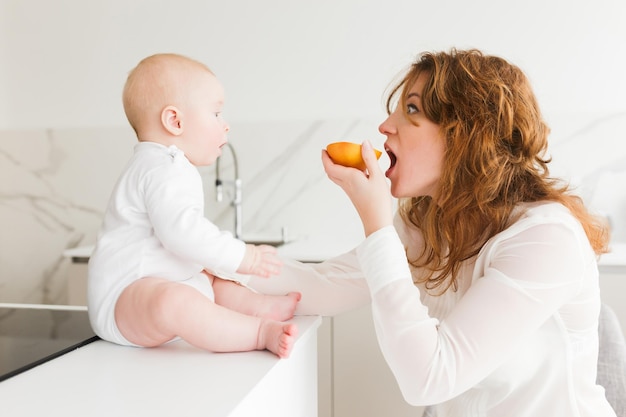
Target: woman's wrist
[
  {"x": 373, "y": 227},
  {"x": 375, "y": 216}
]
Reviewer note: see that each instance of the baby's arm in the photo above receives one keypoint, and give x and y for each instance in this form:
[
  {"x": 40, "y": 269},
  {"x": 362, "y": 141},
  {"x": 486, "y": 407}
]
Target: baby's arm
[{"x": 261, "y": 260}]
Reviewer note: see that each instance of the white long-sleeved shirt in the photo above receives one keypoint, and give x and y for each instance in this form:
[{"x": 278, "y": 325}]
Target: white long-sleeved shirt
[
  {"x": 519, "y": 337},
  {"x": 155, "y": 226}
]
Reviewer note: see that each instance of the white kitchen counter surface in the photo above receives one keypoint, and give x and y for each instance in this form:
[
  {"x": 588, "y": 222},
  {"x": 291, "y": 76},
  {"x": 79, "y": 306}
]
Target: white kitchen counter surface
[
  {"x": 103, "y": 379},
  {"x": 305, "y": 249},
  {"x": 317, "y": 249}
]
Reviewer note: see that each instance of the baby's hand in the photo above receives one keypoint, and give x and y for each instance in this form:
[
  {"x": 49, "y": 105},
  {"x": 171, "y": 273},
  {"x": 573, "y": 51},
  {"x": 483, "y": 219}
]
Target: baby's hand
[{"x": 261, "y": 260}]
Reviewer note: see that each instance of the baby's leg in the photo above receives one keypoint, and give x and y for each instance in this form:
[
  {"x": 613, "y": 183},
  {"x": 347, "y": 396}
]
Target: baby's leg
[
  {"x": 152, "y": 311},
  {"x": 239, "y": 298}
]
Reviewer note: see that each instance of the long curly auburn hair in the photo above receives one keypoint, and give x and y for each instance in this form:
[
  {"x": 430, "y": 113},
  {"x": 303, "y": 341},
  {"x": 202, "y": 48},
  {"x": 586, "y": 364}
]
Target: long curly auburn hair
[{"x": 496, "y": 140}]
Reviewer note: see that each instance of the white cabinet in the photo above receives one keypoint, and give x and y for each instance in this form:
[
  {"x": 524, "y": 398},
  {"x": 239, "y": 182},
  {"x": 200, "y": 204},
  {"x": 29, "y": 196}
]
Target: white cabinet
[{"x": 362, "y": 384}]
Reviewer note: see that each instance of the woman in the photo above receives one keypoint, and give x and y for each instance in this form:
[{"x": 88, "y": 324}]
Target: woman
[{"x": 496, "y": 311}]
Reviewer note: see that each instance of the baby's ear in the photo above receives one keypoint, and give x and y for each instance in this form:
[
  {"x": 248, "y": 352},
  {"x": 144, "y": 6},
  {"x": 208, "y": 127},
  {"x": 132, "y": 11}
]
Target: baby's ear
[{"x": 172, "y": 121}]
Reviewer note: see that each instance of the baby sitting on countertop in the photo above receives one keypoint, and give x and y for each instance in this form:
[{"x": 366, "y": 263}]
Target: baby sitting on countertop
[{"x": 154, "y": 275}]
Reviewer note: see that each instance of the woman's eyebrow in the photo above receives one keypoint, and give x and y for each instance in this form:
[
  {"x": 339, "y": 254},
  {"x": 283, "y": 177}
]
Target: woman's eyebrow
[{"x": 413, "y": 95}]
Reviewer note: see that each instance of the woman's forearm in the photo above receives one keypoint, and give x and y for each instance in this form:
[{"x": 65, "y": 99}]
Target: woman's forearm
[{"x": 327, "y": 288}]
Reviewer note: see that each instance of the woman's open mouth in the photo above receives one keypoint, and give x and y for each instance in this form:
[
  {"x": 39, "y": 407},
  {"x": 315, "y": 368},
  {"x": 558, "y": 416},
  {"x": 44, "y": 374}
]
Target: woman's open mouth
[{"x": 392, "y": 161}]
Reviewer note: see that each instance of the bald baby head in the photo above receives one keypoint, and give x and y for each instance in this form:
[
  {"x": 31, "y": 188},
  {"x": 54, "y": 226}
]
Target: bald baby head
[{"x": 159, "y": 81}]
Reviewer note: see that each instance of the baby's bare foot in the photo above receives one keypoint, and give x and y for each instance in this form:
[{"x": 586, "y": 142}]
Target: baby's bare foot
[
  {"x": 277, "y": 307},
  {"x": 277, "y": 337}
]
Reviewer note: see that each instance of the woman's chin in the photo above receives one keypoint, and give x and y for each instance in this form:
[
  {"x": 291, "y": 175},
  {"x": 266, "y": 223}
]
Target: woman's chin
[{"x": 395, "y": 192}]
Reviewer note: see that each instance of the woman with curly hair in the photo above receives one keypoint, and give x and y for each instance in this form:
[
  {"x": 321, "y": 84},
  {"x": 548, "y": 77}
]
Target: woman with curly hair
[{"x": 484, "y": 286}]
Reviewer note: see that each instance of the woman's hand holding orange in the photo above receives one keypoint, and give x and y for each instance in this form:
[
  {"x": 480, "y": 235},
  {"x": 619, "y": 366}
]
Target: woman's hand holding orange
[{"x": 368, "y": 190}]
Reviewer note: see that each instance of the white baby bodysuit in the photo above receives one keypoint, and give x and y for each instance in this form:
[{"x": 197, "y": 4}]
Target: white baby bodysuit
[{"x": 155, "y": 226}]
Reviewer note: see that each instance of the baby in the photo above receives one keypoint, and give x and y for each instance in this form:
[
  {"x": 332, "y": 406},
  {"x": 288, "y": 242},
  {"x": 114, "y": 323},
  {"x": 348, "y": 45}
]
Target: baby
[{"x": 154, "y": 275}]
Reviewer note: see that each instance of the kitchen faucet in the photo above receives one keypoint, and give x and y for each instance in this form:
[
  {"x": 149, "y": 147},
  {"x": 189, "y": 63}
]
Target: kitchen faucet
[{"x": 236, "y": 183}]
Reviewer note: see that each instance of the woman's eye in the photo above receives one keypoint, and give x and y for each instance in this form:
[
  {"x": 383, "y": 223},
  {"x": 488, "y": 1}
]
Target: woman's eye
[{"x": 411, "y": 109}]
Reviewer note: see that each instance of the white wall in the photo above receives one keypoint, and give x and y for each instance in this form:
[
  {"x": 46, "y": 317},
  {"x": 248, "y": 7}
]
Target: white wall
[{"x": 63, "y": 62}]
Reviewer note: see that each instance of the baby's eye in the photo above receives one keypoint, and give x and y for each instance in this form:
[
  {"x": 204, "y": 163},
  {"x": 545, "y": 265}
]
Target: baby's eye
[{"x": 411, "y": 109}]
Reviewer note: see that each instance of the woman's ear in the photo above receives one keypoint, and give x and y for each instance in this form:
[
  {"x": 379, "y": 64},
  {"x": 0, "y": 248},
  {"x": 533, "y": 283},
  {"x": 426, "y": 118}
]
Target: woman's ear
[{"x": 172, "y": 120}]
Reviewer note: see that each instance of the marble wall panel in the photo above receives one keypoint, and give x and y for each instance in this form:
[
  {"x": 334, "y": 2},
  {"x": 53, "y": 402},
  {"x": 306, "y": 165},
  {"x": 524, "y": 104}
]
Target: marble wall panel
[{"x": 54, "y": 186}]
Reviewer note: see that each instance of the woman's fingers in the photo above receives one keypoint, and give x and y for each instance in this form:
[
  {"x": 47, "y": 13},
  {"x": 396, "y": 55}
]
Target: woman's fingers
[
  {"x": 339, "y": 174},
  {"x": 369, "y": 156}
]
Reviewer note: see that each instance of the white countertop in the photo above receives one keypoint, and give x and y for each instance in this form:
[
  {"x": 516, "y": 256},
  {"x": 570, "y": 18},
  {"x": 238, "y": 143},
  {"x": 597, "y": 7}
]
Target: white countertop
[
  {"x": 177, "y": 379},
  {"x": 317, "y": 249},
  {"x": 304, "y": 249}
]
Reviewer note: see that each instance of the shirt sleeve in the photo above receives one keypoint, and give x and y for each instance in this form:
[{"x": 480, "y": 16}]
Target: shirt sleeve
[
  {"x": 175, "y": 204},
  {"x": 328, "y": 288},
  {"x": 525, "y": 279}
]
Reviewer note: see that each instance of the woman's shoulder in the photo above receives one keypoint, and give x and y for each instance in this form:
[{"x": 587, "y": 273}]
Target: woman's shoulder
[
  {"x": 540, "y": 230},
  {"x": 547, "y": 215},
  {"x": 542, "y": 212}
]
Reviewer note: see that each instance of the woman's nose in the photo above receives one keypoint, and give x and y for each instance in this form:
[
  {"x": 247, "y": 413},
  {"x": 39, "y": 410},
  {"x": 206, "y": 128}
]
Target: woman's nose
[{"x": 386, "y": 127}]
